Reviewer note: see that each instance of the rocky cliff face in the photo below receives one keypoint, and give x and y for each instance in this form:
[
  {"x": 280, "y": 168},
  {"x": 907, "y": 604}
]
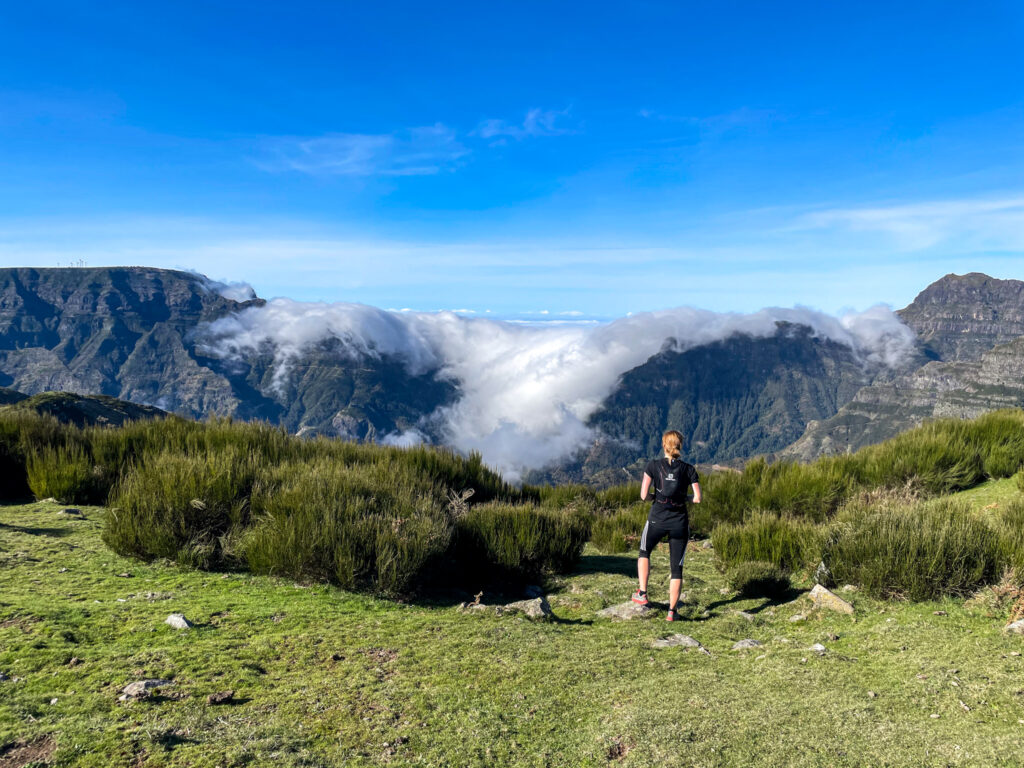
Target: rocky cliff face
[
  {"x": 963, "y": 390},
  {"x": 131, "y": 333},
  {"x": 960, "y": 317}
]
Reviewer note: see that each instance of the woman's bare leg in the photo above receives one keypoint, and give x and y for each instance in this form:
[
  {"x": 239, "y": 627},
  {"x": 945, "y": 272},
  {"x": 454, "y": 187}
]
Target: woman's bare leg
[{"x": 643, "y": 570}]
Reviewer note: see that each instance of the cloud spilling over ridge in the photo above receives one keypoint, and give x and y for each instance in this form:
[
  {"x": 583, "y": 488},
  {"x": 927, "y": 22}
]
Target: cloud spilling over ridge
[{"x": 527, "y": 390}]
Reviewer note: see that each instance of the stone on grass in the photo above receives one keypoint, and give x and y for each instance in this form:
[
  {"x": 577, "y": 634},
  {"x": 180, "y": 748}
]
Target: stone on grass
[
  {"x": 797, "y": 617},
  {"x": 178, "y": 621},
  {"x": 822, "y": 598},
  {"x": 743, "y": 645},
  {"x": 679, "y": 641},
  {"x": 823, "y": 575},
  {"x": 537, "y": 609},
  {"x": 221, "y": 697},
  {"x": 1016, "y": 627},
  {"x": 818, "y": 648},
  {"x": 626, "y": 611},
  {"x": 141, "y": 689},
  {"x": 745, "y": 615},
  {"x": 706, "y": 544}
]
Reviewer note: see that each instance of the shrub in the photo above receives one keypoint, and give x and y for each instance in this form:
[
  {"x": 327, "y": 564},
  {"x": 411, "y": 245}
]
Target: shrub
[
  {"x": 919, "y": 552},
  {"x": 503, "y": 541},
  {"x": 180, "y": 505},
  {"x": 618, "y": 496},
  {"x": 758, "y": 579},
  {"x": 344, "y": 525},
  {"x": 1019, "y": 478},
  {"x": 65, "y": 473},
  {"x": 620, "y": 531},
  {"x": 1010, "y": 525},
  {"x": 785, "y": 542}
]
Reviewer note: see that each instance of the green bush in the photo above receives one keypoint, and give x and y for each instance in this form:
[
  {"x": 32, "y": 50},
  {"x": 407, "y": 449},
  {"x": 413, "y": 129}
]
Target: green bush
[
  {"x": 65, "y": 473},
  {"x": 180, "y": 505},
  {"x": 1019, "y": 478},
  {"x": 920, "y": 552},
  {"x": 347, "y": 525},
  {"x": 758, "y": 579},
  {"x": 618, "y": 496},
  {"x": 620, "y": 531},
  {"x": 1010, "y": 526},
  {"x": 503, "y": 541},
  {"x": 785, "y": 542}
]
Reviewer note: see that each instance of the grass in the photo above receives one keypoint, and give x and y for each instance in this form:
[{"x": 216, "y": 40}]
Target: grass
[{"x": 327, "y": 677}]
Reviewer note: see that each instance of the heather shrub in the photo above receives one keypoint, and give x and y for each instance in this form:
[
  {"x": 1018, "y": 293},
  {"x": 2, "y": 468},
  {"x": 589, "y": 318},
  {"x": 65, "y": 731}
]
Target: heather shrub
[
  {"x": 919, "y": 552},
  {"x": 65, "y": 473},
  {"x": 180, "y": 505},
  {"x": 503, "y": 541},
  {"x": 620, "y": 531},
  {"x": 758, "y": 579},
  {"x": 786, "y": 542}
]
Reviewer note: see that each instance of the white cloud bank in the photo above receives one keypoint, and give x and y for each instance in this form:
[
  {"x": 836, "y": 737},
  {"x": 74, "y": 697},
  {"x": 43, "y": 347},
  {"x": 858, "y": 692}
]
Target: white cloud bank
[{"x": 527, "y": 390}]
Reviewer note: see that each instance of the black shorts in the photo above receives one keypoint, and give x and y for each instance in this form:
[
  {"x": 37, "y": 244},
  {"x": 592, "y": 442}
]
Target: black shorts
[{"x": 677, "y": 532}]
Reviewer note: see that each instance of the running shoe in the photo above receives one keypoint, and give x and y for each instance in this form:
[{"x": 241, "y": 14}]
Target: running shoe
[
  {"x": 672, "y": 615},
  {"x": 640, "y": 597}
]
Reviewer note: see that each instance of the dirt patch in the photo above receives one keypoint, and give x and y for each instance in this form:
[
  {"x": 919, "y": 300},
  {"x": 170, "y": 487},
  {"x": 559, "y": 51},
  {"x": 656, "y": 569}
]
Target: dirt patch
[
  {"x": 619, "y": 749},
  {"x": 380, "y": 655},
  {"x": 22, "y": 753},
  {"x": 24, "y": 623}
]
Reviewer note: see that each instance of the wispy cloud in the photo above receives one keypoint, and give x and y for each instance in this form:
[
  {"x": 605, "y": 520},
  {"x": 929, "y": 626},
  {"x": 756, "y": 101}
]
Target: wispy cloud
[
  {"x": 414, "y": 152},
  {"x": 990, "y": 224},
  {"x": 538, "y": 122}
]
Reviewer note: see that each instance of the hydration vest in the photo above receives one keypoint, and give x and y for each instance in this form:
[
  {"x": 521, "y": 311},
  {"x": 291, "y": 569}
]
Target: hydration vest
[{"x": 670, "y": 486}]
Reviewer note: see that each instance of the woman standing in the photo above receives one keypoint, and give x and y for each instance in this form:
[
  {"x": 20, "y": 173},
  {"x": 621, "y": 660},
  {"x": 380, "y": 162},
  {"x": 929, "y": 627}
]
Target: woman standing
[{"x": 672, "y": 478}]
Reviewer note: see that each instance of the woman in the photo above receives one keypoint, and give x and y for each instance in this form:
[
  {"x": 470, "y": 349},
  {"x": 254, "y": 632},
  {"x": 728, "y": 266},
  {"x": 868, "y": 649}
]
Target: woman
[{"x": 672, "y": 477}]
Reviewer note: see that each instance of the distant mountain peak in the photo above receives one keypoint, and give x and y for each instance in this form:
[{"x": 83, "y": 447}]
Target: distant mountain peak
[{"x": 960, "y": 317}]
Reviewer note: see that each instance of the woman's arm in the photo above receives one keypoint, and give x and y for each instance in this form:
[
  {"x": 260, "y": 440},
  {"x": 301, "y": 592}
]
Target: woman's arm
[
  {"x": 696, "y": 493},
  {"x": 645, "y": 487}
]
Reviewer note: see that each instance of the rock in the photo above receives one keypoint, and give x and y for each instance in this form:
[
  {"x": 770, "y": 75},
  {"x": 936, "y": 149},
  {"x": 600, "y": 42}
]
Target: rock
[
  {"x": 872, "y": 695},
  {"x": 178, "y": 621},
  {"x": 823, "y": 576},
  {"x": 75, "y": 661},
  {"x": 533, "y": 590},
  {"x": 706, "y": 544},
  {"x": 1016, "y": 627},
  {"x": 141, "y": 688},
  {"x": 819, "y": 649},
  {"x": 537, "y": 609},
  {"x": 124, "y": 575},
  {"x": 62, "y": 570},
  {"x": 850, "y": 588},
  {"x": 679, "y": 641},
  {"x": 745, "y": 615},
  {"x": 723, "y": 591},
  {"x": 743, "y": 645},
  {"x": 824, "y": 599},
  {"x": 221, "y": 697},
  {"x": 626, "y": 611},
  {"x": 48, "y": 500},
  {"x": 938, "y": 613},
  {"x": 797, "y": 618},
  {"x": 53, "y": 702}
]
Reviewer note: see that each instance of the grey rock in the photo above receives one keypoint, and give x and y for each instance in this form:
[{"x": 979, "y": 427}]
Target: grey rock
[
  {"x": 140, "y": 689},
  {"x": 745, "y": 615},
  {"x": 537, "y": 609},
  {"x": 850, "y": 588},
  {"x": 822, "y": 598},
  {"x": 679, "y": 641},
  {"x": 818, "y": 648},
  {"x": 1016, "y": 627},
  {"x": 178, "y": 621},
  {"x": 823, "y": 575},
  {"x": 797, "y": 618},
  {"x": 743, "y": 645},
  {"x": 626, "y": 611},
  {"x": 706, "y": 544}
]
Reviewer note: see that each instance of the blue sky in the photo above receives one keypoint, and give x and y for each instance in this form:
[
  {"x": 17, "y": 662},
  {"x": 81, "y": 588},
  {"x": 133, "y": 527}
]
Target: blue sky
[{"x": 600, "y": 158}]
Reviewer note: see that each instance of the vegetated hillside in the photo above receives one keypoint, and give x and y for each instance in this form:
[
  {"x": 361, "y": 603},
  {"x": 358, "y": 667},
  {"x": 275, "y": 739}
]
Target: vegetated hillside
[
  {"x": 735, "y": 398},
  {"x": 130, "y": 333},
  {"x": 959, "y": 319},
  {"x": 80, "y": 410}
]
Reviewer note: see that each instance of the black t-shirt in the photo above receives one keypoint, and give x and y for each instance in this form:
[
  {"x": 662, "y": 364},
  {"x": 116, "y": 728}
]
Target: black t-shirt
[{"x": 671, "y": 481}]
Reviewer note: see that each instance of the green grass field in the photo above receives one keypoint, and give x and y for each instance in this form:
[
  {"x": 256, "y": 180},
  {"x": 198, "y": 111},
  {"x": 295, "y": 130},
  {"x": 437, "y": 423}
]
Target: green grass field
[{"x": 323, "y": 677}]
